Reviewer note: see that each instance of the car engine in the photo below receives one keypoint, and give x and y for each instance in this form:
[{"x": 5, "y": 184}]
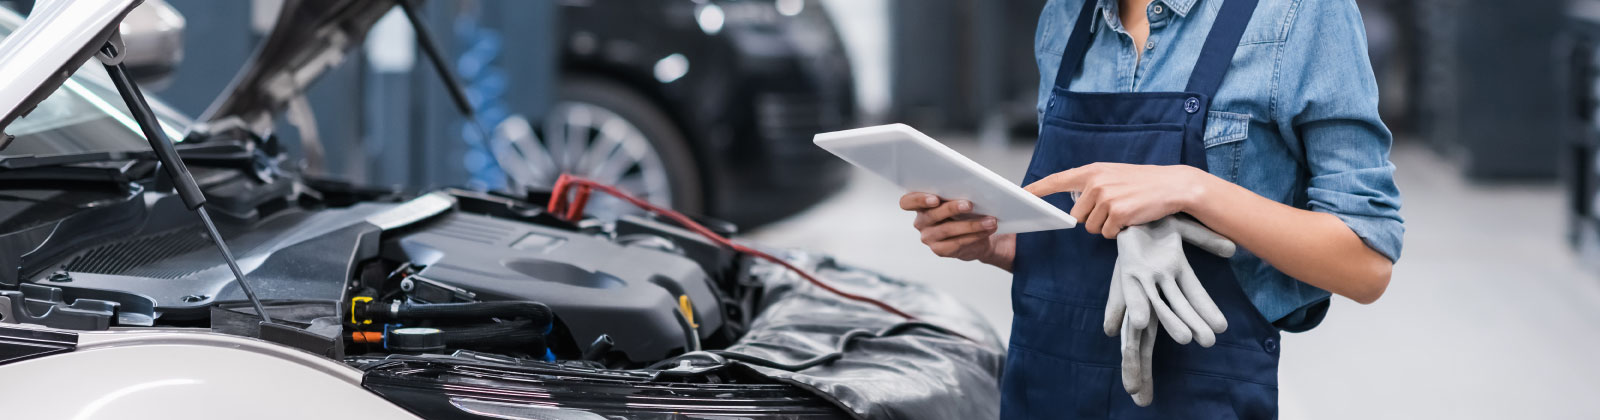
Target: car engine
[{"x": 433, "y": 274}]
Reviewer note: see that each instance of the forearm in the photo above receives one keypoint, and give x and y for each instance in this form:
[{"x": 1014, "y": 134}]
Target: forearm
[{"x": 1316, "y": 248}]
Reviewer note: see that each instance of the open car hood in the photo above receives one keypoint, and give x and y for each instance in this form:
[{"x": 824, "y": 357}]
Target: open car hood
[
  {"x": 56, "y": 39},
  {"x": 309, "y": 38}
]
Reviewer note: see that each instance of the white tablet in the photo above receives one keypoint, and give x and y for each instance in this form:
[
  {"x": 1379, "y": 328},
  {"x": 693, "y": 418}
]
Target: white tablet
[{"x": 919, "y": 163}]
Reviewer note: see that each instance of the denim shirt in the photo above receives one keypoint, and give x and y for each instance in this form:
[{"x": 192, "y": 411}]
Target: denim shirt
[{"x": 1295, "y": 121}]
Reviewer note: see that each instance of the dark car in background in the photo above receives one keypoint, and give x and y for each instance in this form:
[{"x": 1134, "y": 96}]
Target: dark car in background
[
  {"x": 704, "y": 106},
  {"x": 724, "y": 96}
]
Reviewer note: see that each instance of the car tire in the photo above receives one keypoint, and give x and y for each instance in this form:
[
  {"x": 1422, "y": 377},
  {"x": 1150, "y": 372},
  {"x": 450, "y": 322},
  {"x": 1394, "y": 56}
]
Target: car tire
[{"x": 665, "y": 139}]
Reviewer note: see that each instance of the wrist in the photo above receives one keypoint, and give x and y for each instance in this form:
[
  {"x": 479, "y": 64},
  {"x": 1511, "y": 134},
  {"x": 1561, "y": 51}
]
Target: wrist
[
  {"x": 1201, "y": 185},
  {"x": 1002, "y": 250}
]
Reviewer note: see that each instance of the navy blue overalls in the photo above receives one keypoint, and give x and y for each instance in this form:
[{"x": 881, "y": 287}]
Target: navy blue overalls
[{"x": 1061, "y": 364}]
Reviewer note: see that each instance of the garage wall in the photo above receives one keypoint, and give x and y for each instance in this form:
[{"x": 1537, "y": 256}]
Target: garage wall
[{"x": 384, "y": 116}]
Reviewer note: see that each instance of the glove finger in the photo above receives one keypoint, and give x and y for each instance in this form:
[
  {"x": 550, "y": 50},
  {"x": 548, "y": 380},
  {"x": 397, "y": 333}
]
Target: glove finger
[
  {"x": 1116, "y": 306},
  {"x": 1201, "y": 300},
  {"x": 1132, "y": 370},
  {"x": 1136, "y": 303},
  {"x": 1147, "y": 386},
  {"x": 1198, "y": 235},
  {"x": 1180, "y": 305},
  {"x": 1175, "y": 327}
]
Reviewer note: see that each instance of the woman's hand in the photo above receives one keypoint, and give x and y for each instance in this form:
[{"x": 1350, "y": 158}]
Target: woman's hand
[
  {"x": 1117, "y": 195},
  {"x": 951, "y": 230}
]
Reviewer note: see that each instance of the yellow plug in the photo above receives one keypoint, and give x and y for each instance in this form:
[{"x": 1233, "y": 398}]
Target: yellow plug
[
  {"x": 688, "y": 310},
  {"x": 353, "y": 320}
]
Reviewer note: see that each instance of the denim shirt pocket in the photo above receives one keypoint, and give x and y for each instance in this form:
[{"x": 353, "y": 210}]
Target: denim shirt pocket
[{"x": 1224, "y": 140}]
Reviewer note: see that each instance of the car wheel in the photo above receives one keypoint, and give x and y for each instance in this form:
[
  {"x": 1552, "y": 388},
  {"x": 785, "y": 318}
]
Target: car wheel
[{"x": 604, "y": 131}]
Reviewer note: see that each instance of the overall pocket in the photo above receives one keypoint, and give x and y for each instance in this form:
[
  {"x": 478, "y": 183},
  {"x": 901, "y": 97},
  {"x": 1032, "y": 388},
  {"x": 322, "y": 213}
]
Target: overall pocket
[{"x": 1039, "y": 385}]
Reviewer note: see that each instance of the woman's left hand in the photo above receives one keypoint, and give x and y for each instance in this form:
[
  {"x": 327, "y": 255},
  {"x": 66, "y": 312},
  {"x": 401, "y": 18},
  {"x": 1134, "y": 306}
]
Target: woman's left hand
[{"x": 1118, "y": 195}]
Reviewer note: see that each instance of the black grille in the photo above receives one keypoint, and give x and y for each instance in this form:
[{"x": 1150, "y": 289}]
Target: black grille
[
  {"x": 133, "y": 257},
  {"x": 783, "y": 117}
]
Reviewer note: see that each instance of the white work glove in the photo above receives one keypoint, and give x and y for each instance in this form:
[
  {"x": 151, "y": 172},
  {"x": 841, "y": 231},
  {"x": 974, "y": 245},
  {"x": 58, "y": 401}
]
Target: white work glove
[
  {"x": 1150, "y": 263},
  {"x": 1138, "y": 345},
  {"x": 1154, "y": 275}
]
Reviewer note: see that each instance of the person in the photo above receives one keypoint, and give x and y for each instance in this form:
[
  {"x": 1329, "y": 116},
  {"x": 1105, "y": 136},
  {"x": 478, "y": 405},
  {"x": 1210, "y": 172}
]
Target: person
[{"x": 1259, "y": 121}]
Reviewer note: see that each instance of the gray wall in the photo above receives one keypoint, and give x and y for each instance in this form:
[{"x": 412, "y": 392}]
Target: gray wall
[
  {"x": 958, "y": 64},
  {"x": 385, "y": 125}
]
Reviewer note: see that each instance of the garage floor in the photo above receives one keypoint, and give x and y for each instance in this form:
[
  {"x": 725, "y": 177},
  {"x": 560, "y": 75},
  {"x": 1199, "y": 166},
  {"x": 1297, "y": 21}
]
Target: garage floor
[{"x": 1489, "y": 314}]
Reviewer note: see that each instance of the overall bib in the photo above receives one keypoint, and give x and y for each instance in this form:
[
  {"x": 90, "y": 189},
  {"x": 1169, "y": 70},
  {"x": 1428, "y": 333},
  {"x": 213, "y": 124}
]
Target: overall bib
[{"x": 1061, "y": 364}]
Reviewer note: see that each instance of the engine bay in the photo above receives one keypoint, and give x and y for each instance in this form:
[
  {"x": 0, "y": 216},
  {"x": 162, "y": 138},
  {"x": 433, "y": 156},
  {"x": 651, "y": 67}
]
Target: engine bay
[
  {"x": 438, "y": 273},
  {"x": 457, "y": 297}
]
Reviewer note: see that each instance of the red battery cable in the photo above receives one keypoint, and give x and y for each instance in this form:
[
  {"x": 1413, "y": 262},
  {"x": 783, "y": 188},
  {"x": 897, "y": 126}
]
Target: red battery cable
[{"x": 574, "y": 212}]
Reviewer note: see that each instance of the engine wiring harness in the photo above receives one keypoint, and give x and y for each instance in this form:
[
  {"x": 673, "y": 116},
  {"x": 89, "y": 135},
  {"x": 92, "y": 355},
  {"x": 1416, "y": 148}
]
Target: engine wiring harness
[
  {"x": 503, "y": 324},
  {"x": 580, "y": 189}
]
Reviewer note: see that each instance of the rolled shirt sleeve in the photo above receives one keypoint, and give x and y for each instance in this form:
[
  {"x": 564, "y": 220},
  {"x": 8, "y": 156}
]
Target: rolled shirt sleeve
[{"x": 1327, "y": 102}]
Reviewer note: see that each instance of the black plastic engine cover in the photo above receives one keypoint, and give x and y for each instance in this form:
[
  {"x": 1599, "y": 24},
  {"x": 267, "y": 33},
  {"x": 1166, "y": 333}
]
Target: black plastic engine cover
[
  {"x": 166, "y": 269},
  {"x": 594, "y": 285}
]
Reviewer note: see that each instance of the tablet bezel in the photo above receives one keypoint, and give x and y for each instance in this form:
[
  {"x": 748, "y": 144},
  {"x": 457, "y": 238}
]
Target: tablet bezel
[{"x": 1023, "y": 212}]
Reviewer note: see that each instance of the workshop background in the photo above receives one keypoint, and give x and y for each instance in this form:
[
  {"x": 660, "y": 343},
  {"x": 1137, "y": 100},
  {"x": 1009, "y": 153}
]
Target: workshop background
[{"x": 1493, "y": 312}]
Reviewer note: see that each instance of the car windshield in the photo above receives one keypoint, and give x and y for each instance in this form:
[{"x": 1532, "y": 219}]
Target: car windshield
[{"x": 85, "y": 115}]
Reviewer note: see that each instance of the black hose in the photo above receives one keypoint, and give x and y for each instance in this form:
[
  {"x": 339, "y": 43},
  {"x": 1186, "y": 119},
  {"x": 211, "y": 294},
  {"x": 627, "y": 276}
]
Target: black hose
[
  {"x": 597, "y": 350},
  {"x": 523, "y": 334},
  {"x": 536, "y": 312}
]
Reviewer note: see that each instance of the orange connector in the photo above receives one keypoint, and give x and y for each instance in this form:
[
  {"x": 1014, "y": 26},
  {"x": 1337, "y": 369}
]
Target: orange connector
[{"x": 367, "y": 337}]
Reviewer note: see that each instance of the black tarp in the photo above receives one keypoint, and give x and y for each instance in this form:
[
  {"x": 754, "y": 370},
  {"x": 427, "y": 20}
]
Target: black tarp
[{"x": 918, "y": 373}]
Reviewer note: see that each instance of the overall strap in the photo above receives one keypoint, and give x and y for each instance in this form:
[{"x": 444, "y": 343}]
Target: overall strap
[
  {"x": 1077, "y": 46},
  {"x": 1221, "y": 43}
]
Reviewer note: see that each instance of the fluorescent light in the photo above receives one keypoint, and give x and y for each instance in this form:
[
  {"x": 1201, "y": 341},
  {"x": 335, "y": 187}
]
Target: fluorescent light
[
  {"x": 672, "y": 68},
  {"x": 710, "y": 18},
  {"x": 791, "y": 7}
]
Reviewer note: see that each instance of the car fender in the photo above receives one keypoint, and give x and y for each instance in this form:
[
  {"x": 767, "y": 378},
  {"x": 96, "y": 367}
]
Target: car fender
[{"x": 183, "y": 374}]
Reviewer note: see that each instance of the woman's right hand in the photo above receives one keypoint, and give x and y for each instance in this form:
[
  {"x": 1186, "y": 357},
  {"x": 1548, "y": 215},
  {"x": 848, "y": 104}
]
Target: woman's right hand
[{"x": 950, "y": 230}]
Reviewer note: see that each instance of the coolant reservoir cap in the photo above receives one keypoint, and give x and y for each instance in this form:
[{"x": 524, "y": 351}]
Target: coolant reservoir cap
[{"x": 416, "y": 340}]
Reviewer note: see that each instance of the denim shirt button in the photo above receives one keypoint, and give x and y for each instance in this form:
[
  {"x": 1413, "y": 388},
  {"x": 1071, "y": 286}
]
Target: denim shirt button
[
  {"x": 1270, "y": 345},
  {"x": 1192, "y": 105},
  {"x": 1157, "y": 9}
]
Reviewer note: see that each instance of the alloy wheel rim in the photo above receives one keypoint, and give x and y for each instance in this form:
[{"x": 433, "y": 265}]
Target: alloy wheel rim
[{"x": 588, "y": 140}]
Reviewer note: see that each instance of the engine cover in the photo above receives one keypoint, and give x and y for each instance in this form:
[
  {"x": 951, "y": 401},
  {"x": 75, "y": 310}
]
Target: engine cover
[{"x": 594, "y": 285}]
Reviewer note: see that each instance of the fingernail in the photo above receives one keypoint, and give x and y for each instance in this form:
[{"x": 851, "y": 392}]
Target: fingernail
[
  {"x": 964, "y": 206},
  {"x": 988, "y": 223},
  {"x": 930, "y": 201}
]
